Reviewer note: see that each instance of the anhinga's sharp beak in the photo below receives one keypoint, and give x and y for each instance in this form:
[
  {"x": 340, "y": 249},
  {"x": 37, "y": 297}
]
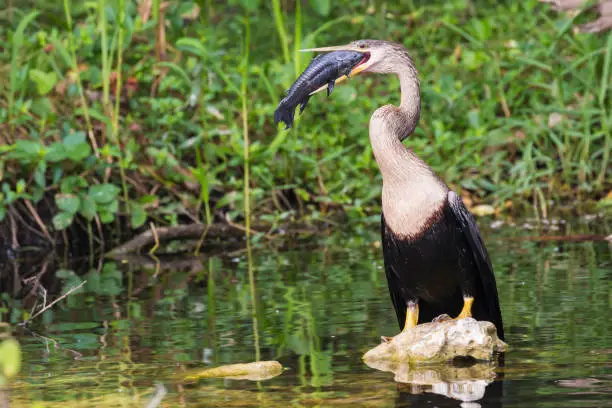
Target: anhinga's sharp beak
[
  {"x": 347, "y": 47},
  {"x": 360, "y": 67}
]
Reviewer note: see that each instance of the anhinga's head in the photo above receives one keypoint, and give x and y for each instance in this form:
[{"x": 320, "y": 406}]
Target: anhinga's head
[
  {"x": 335, "y": 65},
  {"x": 379, "y": 56}
]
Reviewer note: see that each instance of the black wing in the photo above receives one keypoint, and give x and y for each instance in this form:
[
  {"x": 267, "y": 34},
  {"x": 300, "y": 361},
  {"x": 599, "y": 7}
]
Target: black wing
[
  {"x": 467, "y": 224},
  {"x": 393, "y": 280}
]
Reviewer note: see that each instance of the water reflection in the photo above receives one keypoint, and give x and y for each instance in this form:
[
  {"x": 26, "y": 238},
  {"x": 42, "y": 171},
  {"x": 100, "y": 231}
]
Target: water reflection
[
  {"x": 463, "y": 383},
  {"x": 318, "y": 309}
]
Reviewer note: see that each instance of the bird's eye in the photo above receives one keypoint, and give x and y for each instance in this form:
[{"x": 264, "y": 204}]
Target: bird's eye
[{"x": 362, "y": 45}]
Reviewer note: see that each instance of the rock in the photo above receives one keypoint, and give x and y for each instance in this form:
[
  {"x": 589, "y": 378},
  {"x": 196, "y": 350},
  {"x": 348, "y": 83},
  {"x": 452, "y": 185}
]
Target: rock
[
  {"x": 10, "y": 358},
  {"x": 465, "y": 384},
  {"x": 438, "y": 341},
  {"x": 256, "y": 371}
]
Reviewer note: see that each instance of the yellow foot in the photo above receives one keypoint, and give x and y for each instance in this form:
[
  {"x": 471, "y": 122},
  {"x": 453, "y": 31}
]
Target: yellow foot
[
  {"x": 467, "y": 308},
  {"x": 412, "y": 318}
]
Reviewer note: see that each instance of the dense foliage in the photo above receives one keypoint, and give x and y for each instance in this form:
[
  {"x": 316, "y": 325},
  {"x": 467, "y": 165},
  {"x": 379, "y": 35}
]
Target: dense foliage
[{"x": 516, "y": 107}]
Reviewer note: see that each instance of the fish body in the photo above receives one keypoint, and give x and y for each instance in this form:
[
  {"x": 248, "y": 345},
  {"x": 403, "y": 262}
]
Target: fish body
[{"x": 323, "y": 70}]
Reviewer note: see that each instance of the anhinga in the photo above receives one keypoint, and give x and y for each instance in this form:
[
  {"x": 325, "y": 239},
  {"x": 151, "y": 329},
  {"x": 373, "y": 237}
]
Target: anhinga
[{"x": 435, "y": 260}]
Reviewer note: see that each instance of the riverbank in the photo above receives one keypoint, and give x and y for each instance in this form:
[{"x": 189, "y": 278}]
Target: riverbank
[{"x": 119, "y": 120}]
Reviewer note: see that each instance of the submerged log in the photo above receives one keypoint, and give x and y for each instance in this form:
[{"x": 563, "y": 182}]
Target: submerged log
[
  {"x": 440, "y": 341},
  {"x": 256, "y": 371}
]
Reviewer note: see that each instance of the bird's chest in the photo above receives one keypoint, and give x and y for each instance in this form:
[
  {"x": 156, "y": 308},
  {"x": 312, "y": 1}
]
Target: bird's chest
[
  {"x": 409, "y": 207},
  {"x": 428, "y": 263}
]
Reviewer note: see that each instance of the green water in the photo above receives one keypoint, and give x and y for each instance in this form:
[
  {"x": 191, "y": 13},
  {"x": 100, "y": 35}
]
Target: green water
[{"x": 319, "y": 306}]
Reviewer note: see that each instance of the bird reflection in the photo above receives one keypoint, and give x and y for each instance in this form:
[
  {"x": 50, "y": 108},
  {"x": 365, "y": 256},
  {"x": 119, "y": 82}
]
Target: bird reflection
[
  {"x": 464, "y": 383},
  {"x": 479, "y": 394}
]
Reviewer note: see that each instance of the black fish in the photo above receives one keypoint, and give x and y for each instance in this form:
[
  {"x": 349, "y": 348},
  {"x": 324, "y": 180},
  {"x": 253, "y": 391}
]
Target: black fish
[{"x": 324, "y": 69}]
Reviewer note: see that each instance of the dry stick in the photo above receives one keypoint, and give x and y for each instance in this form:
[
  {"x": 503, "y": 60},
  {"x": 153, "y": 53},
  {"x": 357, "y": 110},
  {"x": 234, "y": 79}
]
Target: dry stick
[
  {"x": 195, "y": 231},
  {"x": 23, "y": 222},
  {"x": 566, "y": 238},
  {"x": 41, "y": 224},
  {"x": 160, "y": 393},
  {"x": 75, "y": 353},
  {"x": 177, "y": 232},
  {"x": 54, "y": 302},
  {"x": 245, "y": 229},
  {"x": 15, "y": 242}
]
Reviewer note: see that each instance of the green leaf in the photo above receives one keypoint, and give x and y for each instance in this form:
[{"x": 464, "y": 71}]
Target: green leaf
[
  {"x": 21, "y": 186},
  {"x": 42, "y": 107},
  {"x": 40, "y": 174},
  {"x": 191, "y": 45},
  {"x": 106, "y": 217},
  {"x": 103, "y": 193},
  {"x": 27, "y": 150},
  {"x": 111, "y": 207},
  {"x": 138, "y": 215},
  {"x": 56, "y": 153},
  {"x": 322, "y": 7},
  {"x": 62, "y": 220},
  {"x": 74, "y": 139},
  {"x": 250, "y": 5},
  {"x": 79, "y": 152},
  {"x": 76, "y": 146},
  {"x": 71, "y": 184},
  {"x": 147, "y": 199},
  {"x": 88, "y": 208},
  {"x": 18, "y": 40},
  {"x": 177, "y": 69},
  {"x": 68, "y": 203},
  {"x": 45, "y": 81}
]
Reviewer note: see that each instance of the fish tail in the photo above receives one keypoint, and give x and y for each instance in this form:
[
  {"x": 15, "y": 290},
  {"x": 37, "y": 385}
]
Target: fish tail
[{"x": 284, "y": 114}]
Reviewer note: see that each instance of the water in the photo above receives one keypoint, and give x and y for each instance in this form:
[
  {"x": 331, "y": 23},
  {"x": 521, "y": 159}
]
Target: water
[{"x": 319, "y": 307}]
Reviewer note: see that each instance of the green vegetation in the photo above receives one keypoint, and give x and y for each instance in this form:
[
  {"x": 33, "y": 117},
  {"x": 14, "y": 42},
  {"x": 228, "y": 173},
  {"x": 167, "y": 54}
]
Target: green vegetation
[{"x": 164, "y": 114}]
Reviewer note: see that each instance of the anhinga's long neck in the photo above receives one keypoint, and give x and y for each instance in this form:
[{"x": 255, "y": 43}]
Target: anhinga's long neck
[
  {"x": 390, "y": 125},
  {"x": 412, "y": 193}
]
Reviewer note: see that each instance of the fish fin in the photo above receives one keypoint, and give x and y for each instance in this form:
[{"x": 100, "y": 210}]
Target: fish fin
[
  {"x": 330, "y": 87},
  {"x": 304, "y": 103}
]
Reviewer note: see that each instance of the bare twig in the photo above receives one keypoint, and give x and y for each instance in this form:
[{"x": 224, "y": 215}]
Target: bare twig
[
  {"x": 160, "y": 392},
  {"x": 241, "y": 228},
  {"x": 23, "y": 222},
  {"x": 40, "y": 223},
  {"x": 191, "y": 231},
  {"x": 15, "y": 242},
  {"x": 75, "y": 353},
  {"x": 144, "y": 10},
  {"x": 44, "y": 309},
  {"x": 565, "y": 238}
]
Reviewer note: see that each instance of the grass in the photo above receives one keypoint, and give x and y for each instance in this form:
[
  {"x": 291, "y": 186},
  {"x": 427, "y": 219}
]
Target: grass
[{"x": 516, "y": 109}]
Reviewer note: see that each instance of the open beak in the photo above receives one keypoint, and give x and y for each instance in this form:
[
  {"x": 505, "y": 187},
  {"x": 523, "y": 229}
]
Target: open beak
[{"x": 360, "y": 67}]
